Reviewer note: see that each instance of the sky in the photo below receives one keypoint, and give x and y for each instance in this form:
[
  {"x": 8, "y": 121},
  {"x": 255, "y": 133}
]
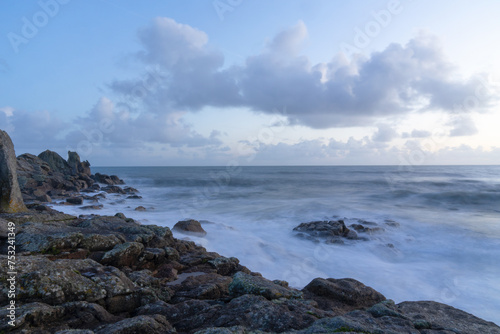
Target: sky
[{"x": 253, "y": 82}]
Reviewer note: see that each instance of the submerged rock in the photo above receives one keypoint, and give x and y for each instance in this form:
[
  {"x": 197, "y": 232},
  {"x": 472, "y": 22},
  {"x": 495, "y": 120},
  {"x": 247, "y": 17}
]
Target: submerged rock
[{"x": 11, "y": 200}]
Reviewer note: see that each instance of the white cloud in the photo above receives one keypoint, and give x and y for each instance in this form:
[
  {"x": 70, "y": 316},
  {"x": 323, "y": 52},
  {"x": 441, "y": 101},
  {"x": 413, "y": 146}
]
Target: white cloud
[
  {"x": 462, "y": 126},
  {"x": 395, "y": 81}
]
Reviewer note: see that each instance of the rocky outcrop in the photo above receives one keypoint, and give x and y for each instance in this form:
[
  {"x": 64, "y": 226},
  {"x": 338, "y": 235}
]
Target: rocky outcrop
[
  {"x": 50, "y": 175},
  {"x": 336, "y": 231},
  {"x": 10, "y": 194},
  {"x": 106, "y": 179}
]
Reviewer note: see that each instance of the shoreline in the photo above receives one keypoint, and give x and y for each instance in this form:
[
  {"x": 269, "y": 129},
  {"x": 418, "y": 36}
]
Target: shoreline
[{"x": 108, "y": 274}]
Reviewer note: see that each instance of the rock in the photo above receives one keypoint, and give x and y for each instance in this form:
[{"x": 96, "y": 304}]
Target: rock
[
  {"x": 55, "y": 161},
  {"x": 226, "y": 266},
  {"x": 106, "y": 179},
  {"x": 446, "y": 318},
  {"x": 341, "y": 295},
  {"x": 44, "y": 198},
  {"x": 11, "y": 200},
  {"x": 246, "y": 284},
  {"x": 134, "y": 197},
  {"x": 257, "y": 313},
  {"x": 92, "y": 207},
  {"x": 78, "y": 167},
  {"x": 154, "y": 324},
  {"x": 191, "y": 227},
  {"x": 361, "y": 322},
  {"x": 75, "y": 200},
  {"x": 113, "y": 190},
  {"x": 140, "y": 208},
  {"x": 208, "y": 286},
  {"x": 123, "y": 255},
  {"x": 331, "y": 231}
]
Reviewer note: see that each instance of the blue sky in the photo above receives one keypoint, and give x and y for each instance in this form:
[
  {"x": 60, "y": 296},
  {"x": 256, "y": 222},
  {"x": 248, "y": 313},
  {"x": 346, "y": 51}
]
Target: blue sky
[{"x": 253, "y": 82}]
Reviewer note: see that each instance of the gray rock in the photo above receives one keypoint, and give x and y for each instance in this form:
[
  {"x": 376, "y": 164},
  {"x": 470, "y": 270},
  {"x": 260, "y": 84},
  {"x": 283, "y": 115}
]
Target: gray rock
[
  {"x": 341, "y": 295},
  {"x": 11, "y": 200},
  {"x": 56, "y": 162},
  {"x": 154, "y": 324},
  {"x": 191, "y": 227},
  {"x": 246, "y": 284},
  {"x": 447, "y": 318},
  {"x": 75, "y": 200},
  {"x": 126, "y": 254}
]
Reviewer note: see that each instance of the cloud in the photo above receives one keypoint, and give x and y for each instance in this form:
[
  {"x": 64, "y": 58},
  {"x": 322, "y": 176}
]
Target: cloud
[
  {"x": 462, "y": 126},
  {"x": 398, "y": 80},
  {"x": 385, "y": 133},
  {"x": 417, "y": 134},
  {"x": 32, "y": 131},
  {"x": 123, "y": 127}
]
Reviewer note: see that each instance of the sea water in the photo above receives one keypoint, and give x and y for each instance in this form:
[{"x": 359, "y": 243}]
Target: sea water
[{"x": 445, "y": 246}]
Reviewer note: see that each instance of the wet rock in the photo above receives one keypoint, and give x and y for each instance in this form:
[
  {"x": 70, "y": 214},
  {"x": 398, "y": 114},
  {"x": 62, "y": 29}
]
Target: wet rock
[
  {"x": 341, "y": 295},
  {"x": 106, "y": 179},
  {"x": 11, "y": 200},
  {"x": 246, "y": 284},
  {"x": 75, "y": 200},
  {"x": 331, "y": 231},
  {"x": 191, "y": 227},
  {"x": 140, "y": 208},
  {"x": 113, "y": 190},
  {"x": 134, "y": 197}
]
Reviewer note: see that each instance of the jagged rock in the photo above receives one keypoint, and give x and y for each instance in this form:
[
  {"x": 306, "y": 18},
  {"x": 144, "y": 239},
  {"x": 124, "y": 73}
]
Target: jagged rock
[
  {"x": 191, "y": 227},
  {"x": 78, "y": 167},
  {"x": 106, "y": 179},
  {"x": 331, "y": 231},
  {"x": 11, "y": 200},
  {"x": 246, "y": 284},
  {"x": 341, "y": 295},
  {"x": 55, "y": 161}
]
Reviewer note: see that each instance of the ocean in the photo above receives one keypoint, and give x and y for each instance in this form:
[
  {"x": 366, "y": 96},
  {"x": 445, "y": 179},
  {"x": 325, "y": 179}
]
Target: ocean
[{"x": 446, "y": 247}]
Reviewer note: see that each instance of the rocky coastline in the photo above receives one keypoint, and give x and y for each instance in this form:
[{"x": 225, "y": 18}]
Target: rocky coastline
[{"x": 110, "y": 274}]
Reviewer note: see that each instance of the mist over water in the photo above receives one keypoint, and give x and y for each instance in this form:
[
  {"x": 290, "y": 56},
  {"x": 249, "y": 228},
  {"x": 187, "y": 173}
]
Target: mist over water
[{"x": 446, "y": 248}]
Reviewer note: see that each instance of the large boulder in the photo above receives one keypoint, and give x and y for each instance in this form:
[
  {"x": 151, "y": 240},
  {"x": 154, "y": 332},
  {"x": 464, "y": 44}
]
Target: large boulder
[
  {"x": 341, "y": 295},
  {"x": 191, "y": 227},
  {"x": 11, "y": 200}
]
